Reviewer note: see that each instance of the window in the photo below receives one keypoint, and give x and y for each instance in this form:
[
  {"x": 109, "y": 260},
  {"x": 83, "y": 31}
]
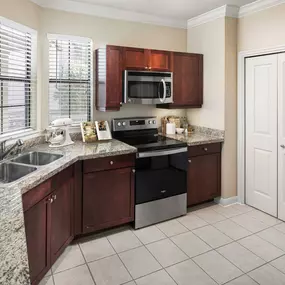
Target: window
[
  {"x": 17, "y": 77},
  {"x": 70, "y": 78}
]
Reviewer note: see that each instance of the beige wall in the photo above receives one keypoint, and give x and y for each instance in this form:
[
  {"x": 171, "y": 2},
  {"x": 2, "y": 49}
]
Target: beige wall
[
  {"x": 107, "y": 31},
  {"x": 22, "y": 11},
  {"x": 217, "y": 40},
  {"x": 229, "y": 154},
  {"x": 209, "y": 39},
  {"x": 263, "y": 29}
]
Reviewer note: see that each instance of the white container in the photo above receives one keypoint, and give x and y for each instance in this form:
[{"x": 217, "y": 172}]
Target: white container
[
  {"x": 170, "y": 129},
  {"x": 179, "y": 131}
]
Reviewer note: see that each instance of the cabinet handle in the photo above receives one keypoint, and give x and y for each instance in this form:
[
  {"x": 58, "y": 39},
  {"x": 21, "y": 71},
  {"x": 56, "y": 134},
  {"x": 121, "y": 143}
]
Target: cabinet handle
[
  {"x": 134, "y": 171},
  {"x": 189, "y": 160},
  {"x": 205, "y": 149},
  {"x": 50, "y": 200},
  {"x": 163, "y": 191},
  {"x": 54, "y": 197},
  {"x": 111, "y": 162}
]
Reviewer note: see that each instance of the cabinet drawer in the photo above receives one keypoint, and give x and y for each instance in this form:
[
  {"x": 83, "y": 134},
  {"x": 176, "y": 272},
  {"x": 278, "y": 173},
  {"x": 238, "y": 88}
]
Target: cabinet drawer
[
  {"x": 36, "y": 194},
  {"x": 204, "y": 149},
  {"x": 107, "y": 163}
]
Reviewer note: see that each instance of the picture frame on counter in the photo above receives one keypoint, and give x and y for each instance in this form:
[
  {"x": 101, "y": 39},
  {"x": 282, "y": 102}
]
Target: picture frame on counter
[{"x": 103, "y": 130}]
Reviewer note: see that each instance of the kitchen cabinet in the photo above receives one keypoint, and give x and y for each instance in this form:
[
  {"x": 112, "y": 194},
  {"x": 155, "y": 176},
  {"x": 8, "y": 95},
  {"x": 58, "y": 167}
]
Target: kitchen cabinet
[
  {"x": 61, "y": 218},
  {"x": 146, "y": 59},
  {"x": 37, "y": 228},
  {"x": 48, "y": 216},
  {"x": 204, "y": 173},
  {"x": 108, "y": 78},
  {"x": 187, "y": 81},
  {"x": 108, "y": 192}
]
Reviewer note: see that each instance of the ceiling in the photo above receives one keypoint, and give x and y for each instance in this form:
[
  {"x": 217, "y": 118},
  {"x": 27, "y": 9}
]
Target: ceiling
[{"x": 179, "y": 9}]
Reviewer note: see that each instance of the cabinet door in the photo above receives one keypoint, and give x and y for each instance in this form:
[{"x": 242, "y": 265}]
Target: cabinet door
[
  {"x": 204, "y": 178},
  {"x": 61, "y": 219},
  {"x": 37, "y": 234},
  {"x": 135, "y": 58},
  {"x": 114, "y": 87},
  {"x": 108, "y": 199},
  {"x": 159, "y": 60},
  {"x": 187, "y": 79}
]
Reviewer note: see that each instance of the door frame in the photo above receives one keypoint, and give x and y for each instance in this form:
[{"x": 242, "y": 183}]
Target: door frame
[{"x": 242, "y": 56}]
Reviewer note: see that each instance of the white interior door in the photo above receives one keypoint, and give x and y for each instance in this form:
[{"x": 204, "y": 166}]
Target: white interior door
[
  {"x": 281, "y": 136},
  {"x": 261, "y": 133}
]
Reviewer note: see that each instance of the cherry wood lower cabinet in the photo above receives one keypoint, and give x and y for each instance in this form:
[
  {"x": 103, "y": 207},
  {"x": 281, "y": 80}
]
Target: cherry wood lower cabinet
[
  {"x": 48, "y": 222},
  {"x": 108, "y": 196},
  {"x": 204, "y": 173}
]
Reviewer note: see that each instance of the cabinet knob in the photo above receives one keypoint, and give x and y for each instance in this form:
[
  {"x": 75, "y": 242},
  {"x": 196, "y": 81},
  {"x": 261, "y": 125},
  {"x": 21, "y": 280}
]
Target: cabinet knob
[
  {"x": 163, "y": 191},
  {"x": 189, "y": 160},
  {"x": 111, "y": 162},
  {"x": 205, "y": 149},
  {"x": 134, "y": 171},
  {"x": 282, "y": 145},
  {"x": 50, "y": 200},
  {"x": 146, "y": 67},
  {"x": 54, "y": 197},
  {"x": 149, "y": 68}
]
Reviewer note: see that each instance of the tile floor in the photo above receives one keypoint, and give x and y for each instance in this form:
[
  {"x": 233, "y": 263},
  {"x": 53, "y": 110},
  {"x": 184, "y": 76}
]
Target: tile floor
[{"x": 234, "y": 245}]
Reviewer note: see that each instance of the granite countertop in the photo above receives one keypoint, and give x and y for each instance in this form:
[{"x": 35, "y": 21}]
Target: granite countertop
[
  {"x": 197, "y": 138},
  {"x": 71, "y": 154}
]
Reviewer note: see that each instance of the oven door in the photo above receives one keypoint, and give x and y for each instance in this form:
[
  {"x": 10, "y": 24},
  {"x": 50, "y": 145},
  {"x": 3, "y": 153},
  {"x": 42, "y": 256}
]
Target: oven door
[
  {"x": 160, "y": 174},
  {"x": 147, "y": 87}
]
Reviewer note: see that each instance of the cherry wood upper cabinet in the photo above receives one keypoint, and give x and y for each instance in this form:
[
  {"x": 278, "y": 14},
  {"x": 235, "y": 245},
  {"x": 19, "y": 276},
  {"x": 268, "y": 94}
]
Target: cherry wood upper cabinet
[
  {"x": 135, "y": 58},
  {"x": 159, "y": 60},
  {"x": 146, "y": 59},
  {"x": 187, "y": 81},
  {"x": 108, "y": 78}
]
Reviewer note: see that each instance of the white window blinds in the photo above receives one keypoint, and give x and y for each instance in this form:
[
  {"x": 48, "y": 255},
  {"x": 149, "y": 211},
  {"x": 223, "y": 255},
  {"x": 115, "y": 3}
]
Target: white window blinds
[
  {"x": 17, "y": 78},
  {"x": 70, "y": 73}
]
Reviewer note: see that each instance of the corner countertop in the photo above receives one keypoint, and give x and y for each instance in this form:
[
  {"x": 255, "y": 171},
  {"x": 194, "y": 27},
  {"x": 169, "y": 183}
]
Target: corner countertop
[
  {"x": 71, "y": 154},
  {"x": 197, "y": 138}
]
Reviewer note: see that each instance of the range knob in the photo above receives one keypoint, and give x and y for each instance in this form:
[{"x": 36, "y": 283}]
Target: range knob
[
  {"x": 154, "y": 122},
  {"x": 119, "y": 124},
  {"x": 124, "y": 123},
  {"x": 149, "y": 122}
]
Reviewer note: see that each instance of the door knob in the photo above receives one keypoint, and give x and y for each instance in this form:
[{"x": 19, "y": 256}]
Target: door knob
[{"x": 282, "y": 145}]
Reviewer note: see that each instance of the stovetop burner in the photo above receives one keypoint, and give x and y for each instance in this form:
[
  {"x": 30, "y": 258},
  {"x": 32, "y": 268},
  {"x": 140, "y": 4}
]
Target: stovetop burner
[{"x": 142, "y": 133}]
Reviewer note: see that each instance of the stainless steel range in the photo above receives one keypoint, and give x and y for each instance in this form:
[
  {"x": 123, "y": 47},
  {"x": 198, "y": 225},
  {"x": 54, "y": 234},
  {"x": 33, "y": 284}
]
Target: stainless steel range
[{"x": 161, "y": 170}]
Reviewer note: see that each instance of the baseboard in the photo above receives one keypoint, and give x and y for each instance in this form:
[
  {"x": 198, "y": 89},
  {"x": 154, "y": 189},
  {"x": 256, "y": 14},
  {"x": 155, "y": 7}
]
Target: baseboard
[{"x": 226, "y": 201}]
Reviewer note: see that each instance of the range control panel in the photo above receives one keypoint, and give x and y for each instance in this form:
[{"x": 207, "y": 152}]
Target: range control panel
[{"x": 138, "y": 123}]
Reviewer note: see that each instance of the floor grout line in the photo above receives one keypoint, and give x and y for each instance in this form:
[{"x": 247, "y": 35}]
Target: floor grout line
[
  {"x": 122, "y": 229},
  {"x": 87, "y": 264}
]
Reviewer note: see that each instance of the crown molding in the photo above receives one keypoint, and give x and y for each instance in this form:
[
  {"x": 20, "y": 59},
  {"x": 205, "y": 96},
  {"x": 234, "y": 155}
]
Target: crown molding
[
  {"x": 221, "y": 12},
  {"x": 258, "y": 6},
  {"x": 74, "y": 6}
]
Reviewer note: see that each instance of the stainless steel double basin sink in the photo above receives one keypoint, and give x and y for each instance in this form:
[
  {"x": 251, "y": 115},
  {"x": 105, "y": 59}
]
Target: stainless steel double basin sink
[{"x": 25, "y": 164}]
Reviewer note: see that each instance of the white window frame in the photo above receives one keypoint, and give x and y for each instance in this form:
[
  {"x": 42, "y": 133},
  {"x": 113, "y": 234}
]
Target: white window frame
[
  {"x": 30, "y": 132},
  {"x": 75, "y": 126}
]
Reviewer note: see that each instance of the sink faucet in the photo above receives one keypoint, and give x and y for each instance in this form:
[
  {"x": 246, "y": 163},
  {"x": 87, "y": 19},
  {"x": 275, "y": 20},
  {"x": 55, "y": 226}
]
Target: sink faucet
[{"x": 4, "y": 152}]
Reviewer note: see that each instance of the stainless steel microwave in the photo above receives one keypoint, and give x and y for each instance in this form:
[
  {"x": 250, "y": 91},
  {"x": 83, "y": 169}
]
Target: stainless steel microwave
[{"x": 145, "y": 87}]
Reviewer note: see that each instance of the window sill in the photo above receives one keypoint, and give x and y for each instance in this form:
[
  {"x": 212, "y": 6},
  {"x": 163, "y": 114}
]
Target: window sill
[{"x": 25, "y": 135}]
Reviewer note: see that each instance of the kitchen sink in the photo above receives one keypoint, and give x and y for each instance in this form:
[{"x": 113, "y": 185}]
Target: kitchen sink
[
  {"x": 10, "y": 172},
  {"x": 37, "y": 158}
]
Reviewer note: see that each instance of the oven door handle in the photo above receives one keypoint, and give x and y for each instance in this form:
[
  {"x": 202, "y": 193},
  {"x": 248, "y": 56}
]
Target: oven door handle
[
  {"x": 164, "y": 91},
  {"x": 161, "y": 152}
]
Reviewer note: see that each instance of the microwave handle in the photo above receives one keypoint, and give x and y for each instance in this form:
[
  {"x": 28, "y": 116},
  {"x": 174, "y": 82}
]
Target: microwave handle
[{"x": 164, "y": 91}]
